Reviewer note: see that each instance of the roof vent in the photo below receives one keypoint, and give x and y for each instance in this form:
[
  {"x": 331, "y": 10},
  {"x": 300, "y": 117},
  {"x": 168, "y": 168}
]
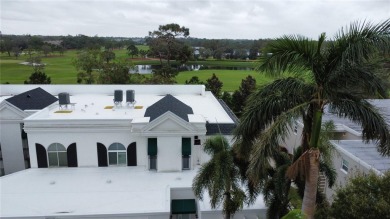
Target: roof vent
[
  {"x": 118, "y": 96},
  {"x": 130, "y": 97},
  {"x": 63, "y": 98}
]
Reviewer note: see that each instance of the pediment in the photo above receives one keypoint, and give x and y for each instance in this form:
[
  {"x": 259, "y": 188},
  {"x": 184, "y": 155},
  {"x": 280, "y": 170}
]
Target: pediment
[
  {"x": 169, "y": 122},
  {"x": 10, "y": 112}
]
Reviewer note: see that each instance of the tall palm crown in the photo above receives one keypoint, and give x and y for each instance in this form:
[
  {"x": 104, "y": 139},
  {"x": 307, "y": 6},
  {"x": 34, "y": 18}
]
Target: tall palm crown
[
  {"x": 220, "y": 177},
  {"x": 335, "y": 73}
]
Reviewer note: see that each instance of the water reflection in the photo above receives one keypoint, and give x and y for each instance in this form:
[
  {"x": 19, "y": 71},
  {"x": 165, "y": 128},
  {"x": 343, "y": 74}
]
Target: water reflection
[{"x": 147, "y": 69}]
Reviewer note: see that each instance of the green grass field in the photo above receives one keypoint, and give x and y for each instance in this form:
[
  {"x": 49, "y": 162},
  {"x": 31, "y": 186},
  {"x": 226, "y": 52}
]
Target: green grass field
[{"x": 61, "y": 70}]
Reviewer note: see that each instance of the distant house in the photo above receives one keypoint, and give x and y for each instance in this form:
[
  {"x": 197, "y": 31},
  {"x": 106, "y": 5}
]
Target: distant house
[
  {"x": 351, "y": 155},
  {"x": 53, "y": 42},
  {"x": 112, "y": 151}
]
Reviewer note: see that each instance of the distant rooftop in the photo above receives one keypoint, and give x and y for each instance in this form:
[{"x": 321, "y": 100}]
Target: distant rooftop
[
  {"x": 383, "y": 105},
  {"x": 367, "y": 153}
]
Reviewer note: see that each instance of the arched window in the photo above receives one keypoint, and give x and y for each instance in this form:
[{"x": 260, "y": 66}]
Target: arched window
[
  {"x": 117, "y": 154},
  {"x": 57, "y": 155}
]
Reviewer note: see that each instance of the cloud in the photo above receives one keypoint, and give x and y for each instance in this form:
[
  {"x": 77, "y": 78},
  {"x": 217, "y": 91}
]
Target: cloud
[{"x": 250, "y": 19}]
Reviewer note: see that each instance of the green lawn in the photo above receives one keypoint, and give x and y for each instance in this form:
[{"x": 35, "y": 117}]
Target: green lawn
[{"x": 61, "y": 70}]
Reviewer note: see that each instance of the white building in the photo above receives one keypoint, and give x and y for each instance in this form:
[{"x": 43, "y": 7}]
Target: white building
[
  {"x": 351, "y": 155},
  {"x": 94, "y": 154}
]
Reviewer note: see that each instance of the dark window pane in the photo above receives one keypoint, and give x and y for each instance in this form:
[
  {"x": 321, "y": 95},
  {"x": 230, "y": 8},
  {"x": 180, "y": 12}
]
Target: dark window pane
[
  {"x": 153, "y": 162},
  {"x": 121, "y": 158},
  {"x": 53, "y": 161},
  {"x": 63, "y": 159},
  {"x": 112, "y": 158}
]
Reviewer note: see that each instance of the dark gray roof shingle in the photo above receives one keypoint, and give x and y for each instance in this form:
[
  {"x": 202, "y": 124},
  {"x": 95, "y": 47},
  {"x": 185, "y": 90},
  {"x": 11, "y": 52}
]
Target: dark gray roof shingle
[
  {"x": 168, "y": 103},
  {"x": 223, "y": 128},
  {"x": 35, "y": 99}
]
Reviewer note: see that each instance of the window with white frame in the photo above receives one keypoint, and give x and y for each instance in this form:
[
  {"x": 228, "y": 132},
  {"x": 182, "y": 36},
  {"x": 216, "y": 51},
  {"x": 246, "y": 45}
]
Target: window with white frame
[
  {"x": 57, "y": 155},
  {"x": 186, "y": 162},
  {"x": 152, "y": 162},
  {"x": 117, "y": 154},
  {"x": 344, "y": 165}
]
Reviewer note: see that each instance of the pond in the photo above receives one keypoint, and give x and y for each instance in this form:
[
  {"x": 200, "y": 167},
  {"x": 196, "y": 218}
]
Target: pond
[{"x": 147, "y": 69}]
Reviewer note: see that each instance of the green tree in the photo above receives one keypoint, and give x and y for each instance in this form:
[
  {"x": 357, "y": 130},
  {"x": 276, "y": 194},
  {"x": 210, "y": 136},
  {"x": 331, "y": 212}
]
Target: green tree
[
  {"x": 163, "y": 42},
  {"x": 220, "y": 177},
  {"x": 165, "y": 75},
  {"x": 194, "y": 80},
  {"x": 35, "y": 43},
  {"x": 38, "y": 77},
  {"x": 276, "y": 186},
  {"x": 6, "y": 45},
  {"x": 214, "y": 85},
  {"x": 114, "y": 73},
  {"x": 227, "y": 98},
  {"x": 132, "y": 50},
  {"x": 16, "y": 52},
  {"x": 86, "y": 62},
  {"x": 107, "y": 56},
  {"x": 333, "y": 74},
  {"x": 248, "y": 85},
  {"x": 46, "y": 49},
  {"x": 143, "y": 53},
  {"x": 365, "y": 196}
]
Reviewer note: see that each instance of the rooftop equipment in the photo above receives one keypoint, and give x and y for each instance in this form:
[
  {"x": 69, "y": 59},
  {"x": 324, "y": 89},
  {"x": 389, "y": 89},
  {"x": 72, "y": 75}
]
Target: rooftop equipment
[
  {"x": 130, "y": 97},
  {"x": 64, "y": 100},
  {"x": 118, "y": 97}
]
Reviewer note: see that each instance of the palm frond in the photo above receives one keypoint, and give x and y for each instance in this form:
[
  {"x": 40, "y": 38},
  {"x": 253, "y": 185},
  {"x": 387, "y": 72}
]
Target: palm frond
[
  {"x": 202, "y": 180},
  {"x": 267, "y": 145},
  {"x": 326, "y": 148},
  {"x": 289, "y": 53},
  {"x": 215, "y": 145},
  {"x": 356, "y": 43},
  {"x": 360, "y": 79},
  {"x": 264, "y": 106}
]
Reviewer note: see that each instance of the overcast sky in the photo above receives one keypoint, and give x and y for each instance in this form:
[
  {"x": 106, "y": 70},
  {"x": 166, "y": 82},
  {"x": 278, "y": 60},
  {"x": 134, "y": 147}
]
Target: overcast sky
[{"x": 232, "y": 19}]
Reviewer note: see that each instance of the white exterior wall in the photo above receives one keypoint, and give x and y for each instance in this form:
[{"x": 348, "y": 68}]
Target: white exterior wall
[
  {"x": 86, "y": 144},
  {"x": 11, "y": 146},
  {"x": 169, "y": 155},
  {"x": 355, "y": 167}
]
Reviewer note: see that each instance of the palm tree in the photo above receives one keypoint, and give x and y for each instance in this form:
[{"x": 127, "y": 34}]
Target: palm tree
[
  {"x": 220, "y": 177},
  {"x": 276, "y": 187},
  {"x": 336, "y": 74}
]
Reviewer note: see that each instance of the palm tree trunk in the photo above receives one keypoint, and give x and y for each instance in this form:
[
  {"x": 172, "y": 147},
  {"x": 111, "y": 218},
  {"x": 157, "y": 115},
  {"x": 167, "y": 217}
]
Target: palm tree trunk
[
  {"x": 311, "y": 181},
  {"x": 309, "y": 195}
]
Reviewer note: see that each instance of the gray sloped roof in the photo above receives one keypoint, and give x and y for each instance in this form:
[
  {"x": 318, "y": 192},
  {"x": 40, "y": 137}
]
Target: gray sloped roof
[
  {"x": 34, "y": 99},
  {"x": 383, "y": 105},
  {"x": 366, "y": 152},
  {"x": 222, "y": 128},
  {"x": 168, "y": 103}
]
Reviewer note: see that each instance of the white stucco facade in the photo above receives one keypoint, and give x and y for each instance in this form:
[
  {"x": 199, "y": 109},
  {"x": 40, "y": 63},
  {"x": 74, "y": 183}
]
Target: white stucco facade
[{"x": 90, "y": 177}]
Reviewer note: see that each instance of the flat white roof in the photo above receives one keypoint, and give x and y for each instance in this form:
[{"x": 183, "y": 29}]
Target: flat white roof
[
  {"x": 93, "y": 191},
  {"x": 91, "y": 101},
  {"x": 94, "y": 106}
]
